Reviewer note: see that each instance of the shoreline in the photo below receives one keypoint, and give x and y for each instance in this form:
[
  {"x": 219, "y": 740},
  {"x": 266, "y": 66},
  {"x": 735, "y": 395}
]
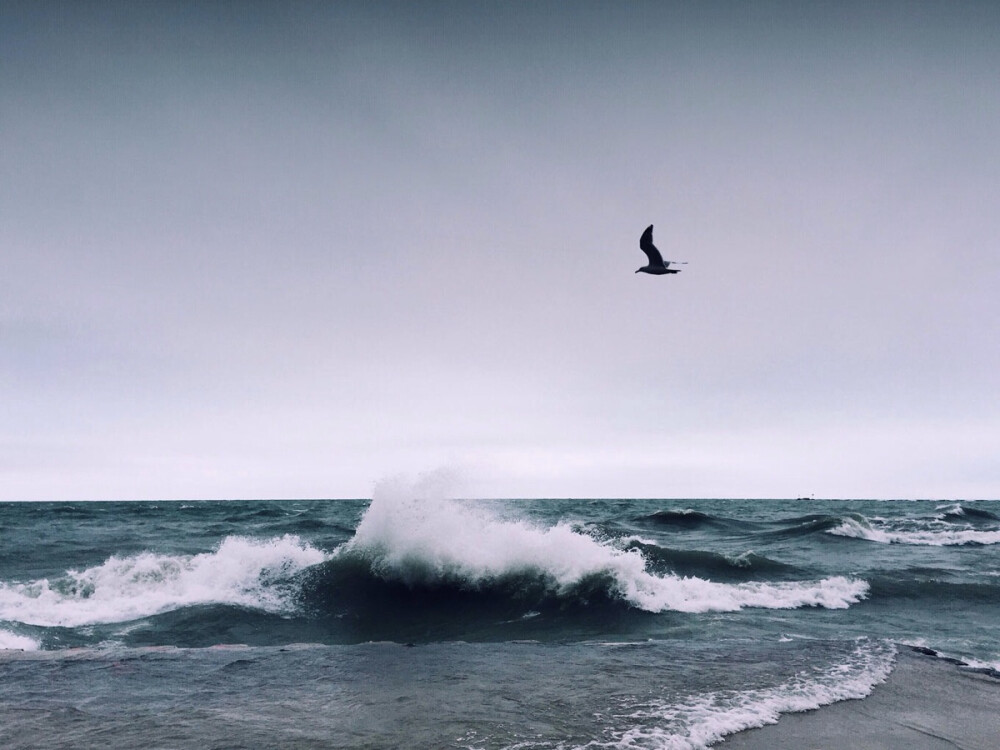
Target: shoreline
[{"x": 928, "y": 702}]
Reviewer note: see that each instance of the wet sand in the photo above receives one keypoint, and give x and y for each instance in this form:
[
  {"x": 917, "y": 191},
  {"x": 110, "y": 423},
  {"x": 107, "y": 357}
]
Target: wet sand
[{"x": 926, "y": 704}]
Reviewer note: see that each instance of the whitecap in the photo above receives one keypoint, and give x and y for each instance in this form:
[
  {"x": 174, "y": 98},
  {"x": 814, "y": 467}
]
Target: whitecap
[
  {"x": 929, "y": 534},
  {"x": 241, "y": 571},
  {"x": 432, "y": 539},
  {"x": 14, "y": 642}
]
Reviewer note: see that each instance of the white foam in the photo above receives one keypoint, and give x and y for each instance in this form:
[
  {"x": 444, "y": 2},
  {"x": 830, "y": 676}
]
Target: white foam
[
  {"x": 240, "y": 571},
  {"x": 707, "y": 718},
  {"x": 14, "y": 642},
  {"x": 433, "y": 539},
  {"x": 930, "y": 533}
]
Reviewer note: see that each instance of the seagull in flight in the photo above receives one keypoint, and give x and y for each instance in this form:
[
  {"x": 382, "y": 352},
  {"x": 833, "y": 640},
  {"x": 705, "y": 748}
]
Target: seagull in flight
[{"x": 657, "y": 266}]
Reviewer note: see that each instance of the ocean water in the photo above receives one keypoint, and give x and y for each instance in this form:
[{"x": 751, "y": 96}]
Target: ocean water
[{"x": 416, "y": 621}]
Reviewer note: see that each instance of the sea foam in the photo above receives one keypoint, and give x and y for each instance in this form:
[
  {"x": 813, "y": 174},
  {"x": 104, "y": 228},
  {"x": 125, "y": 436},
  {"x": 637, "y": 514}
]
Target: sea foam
[
  {"x": 432, "y": 539},
  {"x": 705, "y": 719},
  {"x": 14, "y": 642},
  {"x": 933, "y": 533},
  {"x": 241, "y": 571}
]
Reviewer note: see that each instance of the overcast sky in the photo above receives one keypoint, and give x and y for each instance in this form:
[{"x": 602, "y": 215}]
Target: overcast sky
[{"x": 288, "y": 250}]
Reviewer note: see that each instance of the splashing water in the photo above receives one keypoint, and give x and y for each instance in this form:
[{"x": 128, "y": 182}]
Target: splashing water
[
  {"x": 429, "y": 539},
  {"x": 240, "y": 571}
]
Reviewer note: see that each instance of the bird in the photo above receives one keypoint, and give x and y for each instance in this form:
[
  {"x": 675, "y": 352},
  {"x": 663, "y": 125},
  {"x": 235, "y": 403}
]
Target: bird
[{"x": 657, "y": 266}]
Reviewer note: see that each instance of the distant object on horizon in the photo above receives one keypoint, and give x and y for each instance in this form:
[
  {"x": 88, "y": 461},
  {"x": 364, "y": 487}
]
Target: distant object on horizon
[{"x": 657, "y": 266}]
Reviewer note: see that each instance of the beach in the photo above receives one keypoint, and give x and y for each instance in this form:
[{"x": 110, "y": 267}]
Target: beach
[{"x": 926, "y": 704}]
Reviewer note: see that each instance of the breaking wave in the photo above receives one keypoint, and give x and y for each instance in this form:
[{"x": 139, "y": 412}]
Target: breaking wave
[
  {"x": 245, "y": 572},
  {"x": 929, "y": 532},
  {"x": 966, "y": 513},
  {"x": 433, "y": 542}
]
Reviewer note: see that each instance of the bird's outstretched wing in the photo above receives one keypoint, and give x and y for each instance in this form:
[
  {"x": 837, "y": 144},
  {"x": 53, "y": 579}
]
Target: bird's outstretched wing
[{"x": 647, "y": 246}]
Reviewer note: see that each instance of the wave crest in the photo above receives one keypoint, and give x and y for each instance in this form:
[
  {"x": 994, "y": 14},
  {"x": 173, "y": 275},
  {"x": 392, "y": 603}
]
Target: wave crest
[
  {"x": 927, "y": 533},
  {"x": 241, "y": 571},
  {"x": 434, "y": 541},
  {"x": 686, "y": 519},
  {"x": 966, "y": 513},
  {"x": 711, "y": 564}
]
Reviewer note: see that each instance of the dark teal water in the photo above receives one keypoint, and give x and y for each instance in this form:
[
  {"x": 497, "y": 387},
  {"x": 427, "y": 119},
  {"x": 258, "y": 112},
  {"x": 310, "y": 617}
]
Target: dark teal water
[{"x": 422, "y": 622}]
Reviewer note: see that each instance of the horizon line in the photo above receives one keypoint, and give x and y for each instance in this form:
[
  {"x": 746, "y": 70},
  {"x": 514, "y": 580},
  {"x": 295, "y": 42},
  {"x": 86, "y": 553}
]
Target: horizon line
[{"x": 511, "y": 499}]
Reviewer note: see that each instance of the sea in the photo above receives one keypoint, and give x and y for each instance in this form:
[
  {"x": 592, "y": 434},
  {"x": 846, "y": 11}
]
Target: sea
[{"x": 416, "y": 620}]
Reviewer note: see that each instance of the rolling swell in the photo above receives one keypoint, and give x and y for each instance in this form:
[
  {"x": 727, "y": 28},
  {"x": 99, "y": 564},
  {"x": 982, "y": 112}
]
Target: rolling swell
[
  {"x": 687, "y": 520},
  {"x": 358, "y": 604},
  {"x": 713, "y": 564},
  {"x": 808, "y": 525},
  {"x": 957, "y": 526},
  {"x": 934, "y": 593},
  {"x": 968, "y": 514},
  {"x": 206, "y": 625}
]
